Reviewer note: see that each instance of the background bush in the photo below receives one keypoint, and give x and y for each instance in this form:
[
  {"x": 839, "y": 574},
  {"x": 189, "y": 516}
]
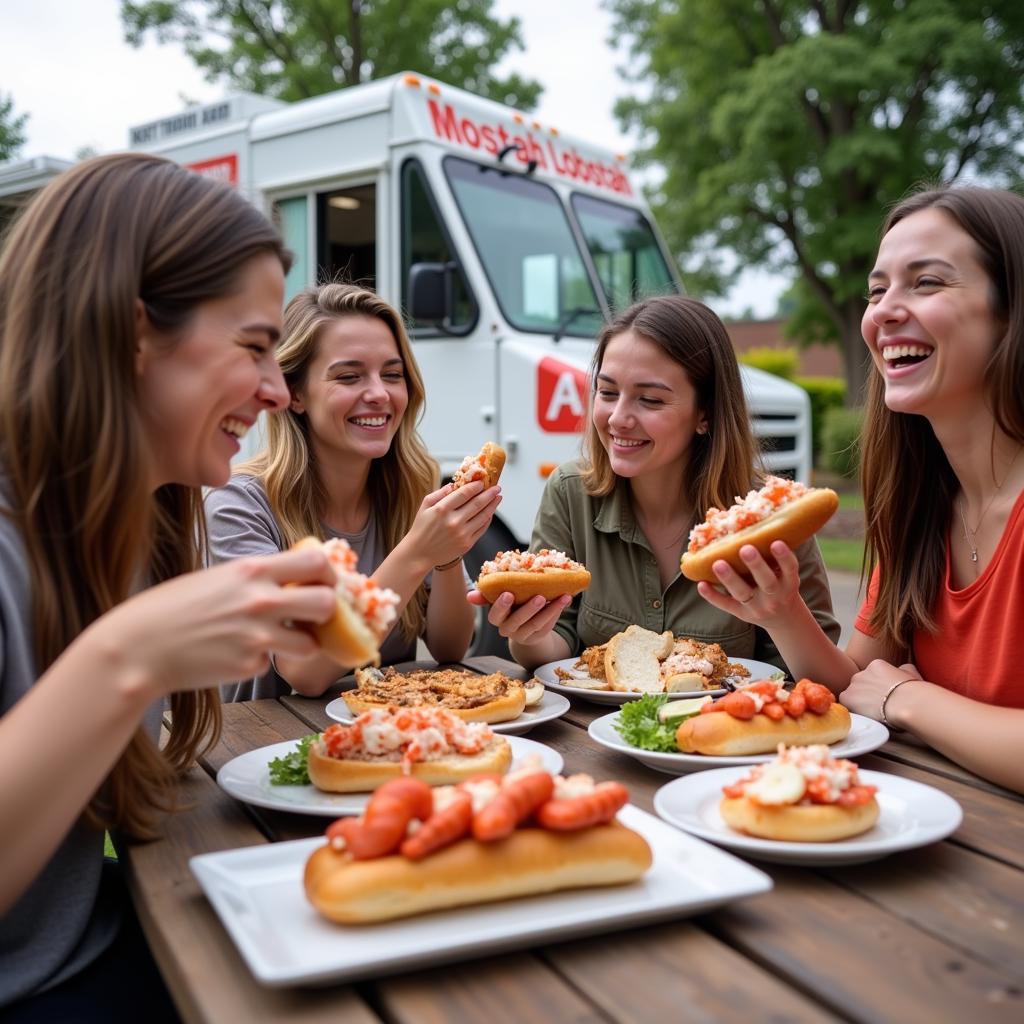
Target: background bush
[
  {"x": 840, "y": 451},
  {"x": 783, "y": 362}
]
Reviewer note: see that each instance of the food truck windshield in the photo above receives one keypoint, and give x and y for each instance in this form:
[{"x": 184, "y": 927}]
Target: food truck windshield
[{"x": 525, "y": 239}]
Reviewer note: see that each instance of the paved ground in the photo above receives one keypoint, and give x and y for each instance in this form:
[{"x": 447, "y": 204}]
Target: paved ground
[{"x": 846, "y": 600}]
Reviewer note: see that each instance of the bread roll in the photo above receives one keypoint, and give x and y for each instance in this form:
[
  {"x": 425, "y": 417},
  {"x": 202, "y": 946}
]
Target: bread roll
[
  {"x": 799, "y": 823},
  {"x": 719, "y": 734},
  {"x": 527, "y": 862},
  {"x": 632, "y": 660},
  {"x": 350, "y": 775},
  {"x": 793, "y": 523},
  {"x": 549, "y": 584}
]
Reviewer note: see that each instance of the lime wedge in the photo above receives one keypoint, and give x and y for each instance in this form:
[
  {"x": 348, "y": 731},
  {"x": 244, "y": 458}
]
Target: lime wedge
[{"x": 677, "y": 710}]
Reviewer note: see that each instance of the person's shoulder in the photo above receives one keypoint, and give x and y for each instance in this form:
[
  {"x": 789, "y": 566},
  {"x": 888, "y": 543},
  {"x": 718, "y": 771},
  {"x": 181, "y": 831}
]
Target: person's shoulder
[
  {"x": 569, "y": 475},
  {"x": 240, "y": 488}
]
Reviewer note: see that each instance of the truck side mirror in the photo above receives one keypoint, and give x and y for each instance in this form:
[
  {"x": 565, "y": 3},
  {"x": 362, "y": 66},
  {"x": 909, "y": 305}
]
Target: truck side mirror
[{"x": 430, "y": 292}]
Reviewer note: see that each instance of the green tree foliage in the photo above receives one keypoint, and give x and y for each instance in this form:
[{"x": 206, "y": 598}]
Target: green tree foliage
[
  {"x": 294, "y": 49},
  {"x": 12, "y": 129},
  {"x": 785, "y": 127}
]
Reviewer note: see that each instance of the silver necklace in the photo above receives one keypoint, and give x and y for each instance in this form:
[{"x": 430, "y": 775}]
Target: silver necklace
[{"x": 971, "y": 535}]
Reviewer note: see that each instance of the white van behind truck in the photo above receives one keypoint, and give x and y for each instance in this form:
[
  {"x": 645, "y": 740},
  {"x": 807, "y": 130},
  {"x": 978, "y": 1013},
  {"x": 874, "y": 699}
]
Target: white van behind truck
[{"x": 505, "y": 242}]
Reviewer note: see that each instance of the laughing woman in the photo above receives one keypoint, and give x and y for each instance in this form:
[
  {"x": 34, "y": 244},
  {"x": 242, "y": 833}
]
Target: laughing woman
[
  {"x": 938, "y": 645},
  {"x": 345, "y": 460},
  {"x": 139, "y": 309}
]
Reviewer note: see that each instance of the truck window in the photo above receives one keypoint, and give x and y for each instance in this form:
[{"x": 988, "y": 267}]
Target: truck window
[
  {"x": 624, "y": 249},
  {"x": 521, "y": 232},
  {"x": 424, "y": 240},
  {"x": 290, "y": 217},
  {"x": 347, "y": 235}
]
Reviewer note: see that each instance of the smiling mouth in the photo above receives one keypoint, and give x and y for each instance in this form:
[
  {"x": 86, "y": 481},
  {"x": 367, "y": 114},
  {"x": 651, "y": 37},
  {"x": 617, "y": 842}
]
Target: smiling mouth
[
  {"x": 237, "y": 428},
  {"x": 626, "y": 442},
  {"x": 370, "y": 421},
  {"x": 905, "y": 355}
]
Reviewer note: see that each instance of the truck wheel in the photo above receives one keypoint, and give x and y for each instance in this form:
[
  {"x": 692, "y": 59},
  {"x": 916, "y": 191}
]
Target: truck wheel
[{"x": 486, "y": 638}]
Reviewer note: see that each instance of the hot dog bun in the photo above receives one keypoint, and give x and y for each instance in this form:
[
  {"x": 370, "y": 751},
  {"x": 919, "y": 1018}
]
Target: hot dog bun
[
  {"x": 358, "y": 775},
  {"x": 527, "y": 862},
  {"x": 347, "y": 636},
  {"x": 793, "y": 522},
  {"x": 547, "y": 574},
  {"x": 486, "y": 466},
  {"x": 719, "y": 734},
  {"x": 799, "y": 823}
]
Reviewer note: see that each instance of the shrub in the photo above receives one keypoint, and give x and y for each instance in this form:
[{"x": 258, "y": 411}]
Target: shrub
[
  {"x": 840, "y": 449},
  {"x": 782, "y": 362},
  {"x": 825, "y": 393}
]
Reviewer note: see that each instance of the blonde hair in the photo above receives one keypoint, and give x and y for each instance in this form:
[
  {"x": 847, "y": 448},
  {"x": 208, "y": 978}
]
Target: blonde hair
[
  {"x": 287, "y": 466},
  {"x": 723, "y": 462},
  {"x": 107, "y": 234}
]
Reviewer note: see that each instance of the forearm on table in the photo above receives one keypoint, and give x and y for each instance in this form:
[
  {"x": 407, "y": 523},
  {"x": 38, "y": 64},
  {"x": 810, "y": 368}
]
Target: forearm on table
[
  {"x": 984, "y": 738},
  {"x": 450, "y": 617},
  {"x": 59, "y": 742},
  {"x": 550, "y": 648}
]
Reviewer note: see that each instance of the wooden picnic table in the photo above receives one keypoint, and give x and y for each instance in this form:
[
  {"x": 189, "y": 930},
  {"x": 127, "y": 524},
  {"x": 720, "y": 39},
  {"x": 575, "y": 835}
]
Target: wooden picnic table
[{"x": 935, "y": 933}]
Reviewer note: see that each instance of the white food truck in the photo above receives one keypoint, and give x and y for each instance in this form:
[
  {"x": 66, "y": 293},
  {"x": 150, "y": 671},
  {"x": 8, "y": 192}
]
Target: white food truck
[{"x": 505, "y": 242}]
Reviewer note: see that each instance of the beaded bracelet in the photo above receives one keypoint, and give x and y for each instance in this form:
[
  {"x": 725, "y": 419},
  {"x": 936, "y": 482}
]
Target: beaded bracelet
[
  {"x": 448, "y": 565},
  {"x": 885, "y": 700}
]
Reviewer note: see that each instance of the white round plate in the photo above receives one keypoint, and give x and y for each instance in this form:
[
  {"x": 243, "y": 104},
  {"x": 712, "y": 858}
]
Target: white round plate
[
  {"x": 550, "y": 706},
  {"x": 910, "y": 814},
  {"x": 247, "y": 778},
  {"x": 546, "y": 674},
  {"x": 865, "y": 735}
]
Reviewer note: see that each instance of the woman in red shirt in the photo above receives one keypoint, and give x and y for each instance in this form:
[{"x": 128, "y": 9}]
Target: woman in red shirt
[{"x": 938, "y": 646}]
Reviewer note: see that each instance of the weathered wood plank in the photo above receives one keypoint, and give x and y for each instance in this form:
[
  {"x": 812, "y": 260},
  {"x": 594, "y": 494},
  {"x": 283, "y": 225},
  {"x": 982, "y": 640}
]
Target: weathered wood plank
[
  {"x": 205, "y": 974},
  {"x": 678, "y": 972},
  {"x": 908, "y": 752},
  {"x": 992, "y": 824},
  {"x": 511, "y": 989},
  {"x": 963, "y": 898},
  {"x": 860, "y": 959}
]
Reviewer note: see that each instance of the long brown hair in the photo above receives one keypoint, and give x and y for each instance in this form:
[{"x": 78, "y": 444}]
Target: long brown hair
[
  {"x": 287, "y": 466},
  {"x": 723, "y": 462},
  {"x": 909, "y": 486},
  {"x": 106, "y": 234}
]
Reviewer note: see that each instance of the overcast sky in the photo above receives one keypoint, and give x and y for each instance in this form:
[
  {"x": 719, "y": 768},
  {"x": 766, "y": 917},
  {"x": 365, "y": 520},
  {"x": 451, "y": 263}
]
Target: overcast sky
[{"x": 66, "y": 65}]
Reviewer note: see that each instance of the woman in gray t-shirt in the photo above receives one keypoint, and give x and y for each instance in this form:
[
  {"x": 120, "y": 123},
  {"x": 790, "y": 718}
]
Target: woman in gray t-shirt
[
  {"x": 140, "y": 305},
  {"x": 345, "y": 460}
]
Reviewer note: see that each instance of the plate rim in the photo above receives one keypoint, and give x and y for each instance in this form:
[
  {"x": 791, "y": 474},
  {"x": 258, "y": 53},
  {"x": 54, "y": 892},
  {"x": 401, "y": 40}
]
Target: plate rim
[
  {"x": 709, "y": 762},
  {"x": 854, "y": 849},
  {"x": 621, "y": 696},
  {"x": 357, "y": 800},
  {"x": 512, "y": 727},
  {"x": 734, "y": 879}
]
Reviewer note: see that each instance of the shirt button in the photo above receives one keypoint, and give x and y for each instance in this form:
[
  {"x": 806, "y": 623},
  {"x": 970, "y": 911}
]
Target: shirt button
[{"x": 656, "y": 603}]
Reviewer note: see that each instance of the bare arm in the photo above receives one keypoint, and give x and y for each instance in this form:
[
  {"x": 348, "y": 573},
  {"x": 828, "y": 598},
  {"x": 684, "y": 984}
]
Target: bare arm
[
  {"x": 450, "y": 617},
  {"x": 447, "y": 525},
  {"x": 984, "y": 738},
  {"x": 62, "y": 738},
  {"x": 770, "y": 598}
]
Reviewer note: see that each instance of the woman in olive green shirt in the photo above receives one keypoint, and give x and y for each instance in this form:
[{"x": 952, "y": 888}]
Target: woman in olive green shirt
[{"x": 669, "y": 437}]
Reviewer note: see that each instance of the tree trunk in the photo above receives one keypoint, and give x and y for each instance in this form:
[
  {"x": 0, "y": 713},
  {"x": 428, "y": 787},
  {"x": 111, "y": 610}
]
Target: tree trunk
[{"x": 856, "y": 360}]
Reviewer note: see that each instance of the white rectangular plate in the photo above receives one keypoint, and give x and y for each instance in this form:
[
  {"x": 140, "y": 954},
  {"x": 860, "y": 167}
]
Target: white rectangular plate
[{"x": 258, "y": 894}]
